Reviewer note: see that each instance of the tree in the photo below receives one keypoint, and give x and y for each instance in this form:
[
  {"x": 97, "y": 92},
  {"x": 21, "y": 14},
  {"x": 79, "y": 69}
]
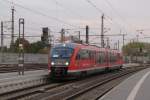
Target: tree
[
  {"x": 136, "y": 48},
  {"x": 36, "y": 46},
  {"x": 44, "y": 50},
  {"x": 26, "y": 45}
]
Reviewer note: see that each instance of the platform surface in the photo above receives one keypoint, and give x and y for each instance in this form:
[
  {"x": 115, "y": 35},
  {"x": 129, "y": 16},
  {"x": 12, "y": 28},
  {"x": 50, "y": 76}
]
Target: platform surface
[
  {"x": 136, "y": 87},
  {"x": 130, "y": 65},
  {"x": 14, "y": 75},
  {"x": 6, "y": 76}
]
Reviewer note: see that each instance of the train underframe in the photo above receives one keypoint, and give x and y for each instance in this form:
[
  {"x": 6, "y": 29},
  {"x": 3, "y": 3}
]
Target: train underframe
[{"x": 64, "y": 73}]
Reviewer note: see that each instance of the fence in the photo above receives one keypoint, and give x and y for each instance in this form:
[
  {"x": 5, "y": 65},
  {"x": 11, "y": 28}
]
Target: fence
[
  {"x": 12, "y": 58},
  {"x": 137, "y": 59}
]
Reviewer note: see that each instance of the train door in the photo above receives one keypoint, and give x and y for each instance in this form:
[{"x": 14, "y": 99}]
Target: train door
[
  {"x": 82, "y": 59},
  {"x": 108, "y": 59}
]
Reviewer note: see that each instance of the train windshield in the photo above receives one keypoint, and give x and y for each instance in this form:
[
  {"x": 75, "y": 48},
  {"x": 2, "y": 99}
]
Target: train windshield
[{"x": 61, "y": 52}]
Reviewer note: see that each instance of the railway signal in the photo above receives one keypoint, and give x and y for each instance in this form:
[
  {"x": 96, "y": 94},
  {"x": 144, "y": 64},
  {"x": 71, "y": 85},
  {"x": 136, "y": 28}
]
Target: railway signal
[
  {"x": 21, "y": 47},
  {"x": 87, "y": 34},
  {"x": 46, "y": 38}
]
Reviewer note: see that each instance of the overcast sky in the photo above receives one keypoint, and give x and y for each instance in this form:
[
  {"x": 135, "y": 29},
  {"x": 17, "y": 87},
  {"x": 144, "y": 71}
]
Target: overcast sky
[{"x": 124, "y": 16}]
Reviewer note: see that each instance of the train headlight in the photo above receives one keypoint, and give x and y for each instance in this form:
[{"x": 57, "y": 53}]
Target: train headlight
[
  {"x": 67, "y": 63},
  {"x": 52, "y": 63}
]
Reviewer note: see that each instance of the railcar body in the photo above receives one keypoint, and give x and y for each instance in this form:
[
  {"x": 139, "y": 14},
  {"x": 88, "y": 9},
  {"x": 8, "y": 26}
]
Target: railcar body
[{"x": 70, "y": 60}]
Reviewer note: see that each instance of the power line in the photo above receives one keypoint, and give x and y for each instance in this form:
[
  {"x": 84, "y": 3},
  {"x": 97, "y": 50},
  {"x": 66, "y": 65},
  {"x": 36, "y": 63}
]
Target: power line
[
  {"x": 107, "y": 35},
  {"x": 101, "y": 12},
  {"x": 107, "y": 1},
  {"x": 115, "y": 11},
  {"x": 68, "y": 9},
  {"x": 40, "y": 13},
  {"x": 92, "y": 4},
  {"x": 98, "y": 9}
]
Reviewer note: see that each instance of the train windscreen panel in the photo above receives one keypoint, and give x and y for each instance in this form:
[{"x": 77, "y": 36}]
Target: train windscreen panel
[{"x": 61, "y": 56}]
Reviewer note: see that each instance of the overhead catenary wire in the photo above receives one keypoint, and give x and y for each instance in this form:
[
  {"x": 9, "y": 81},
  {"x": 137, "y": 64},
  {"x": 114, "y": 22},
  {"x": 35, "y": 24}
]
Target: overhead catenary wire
[
  {"x": 101, "y": 12},
  {"x": 66, "y": 9},
  {"x": 31, "y": 21},
  {"x": 42, "y": 14},
  {"x": 92, "y": 4},
  {"x": 116, "y": 12},
  {"x": 106, "y": 35},
  {"x": 31, "y": 29}
]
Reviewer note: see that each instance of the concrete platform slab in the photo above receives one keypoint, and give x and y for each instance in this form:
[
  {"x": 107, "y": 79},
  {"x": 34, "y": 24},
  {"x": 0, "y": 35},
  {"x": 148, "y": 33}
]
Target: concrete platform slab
[
  {"x": 12, "y": 81},
  {"x": 130, "y": 65},
  {"x": 12, "y": 75},
  {"x": 136, "y": 87}
]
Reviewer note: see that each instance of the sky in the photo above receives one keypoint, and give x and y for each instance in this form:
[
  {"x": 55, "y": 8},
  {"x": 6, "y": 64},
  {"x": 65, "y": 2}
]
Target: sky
[{"x": 121, "y": 16}]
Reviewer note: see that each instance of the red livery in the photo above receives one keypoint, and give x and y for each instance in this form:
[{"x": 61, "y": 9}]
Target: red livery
[{"x": 71, "y": 60}]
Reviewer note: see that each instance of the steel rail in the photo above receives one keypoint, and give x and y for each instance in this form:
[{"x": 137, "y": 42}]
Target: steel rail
[{"x": 71, "y": 91}]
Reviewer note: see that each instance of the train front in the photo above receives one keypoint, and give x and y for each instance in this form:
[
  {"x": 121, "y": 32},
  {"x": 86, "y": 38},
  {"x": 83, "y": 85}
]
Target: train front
[{"x": 60, "y": 57}]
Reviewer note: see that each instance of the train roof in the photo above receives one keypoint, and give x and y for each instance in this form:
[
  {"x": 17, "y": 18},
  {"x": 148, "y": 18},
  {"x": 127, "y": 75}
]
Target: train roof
[
  {"x": 74, "y": 45},
  {"x": 69, "y": 45}
]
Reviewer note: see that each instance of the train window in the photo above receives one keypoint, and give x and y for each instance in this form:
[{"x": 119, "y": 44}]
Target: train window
[
  {"x": 92, "y": 54},
  {"x": 109, "y": 57},
  {"x": 83, "y": 54},
  {"x": 78, "y": 57},
  {"x": 61, "y": 52},
  {"x": 113, "y": 57},
  {"x": 100, "y": 57},
  {"x": 97, "y": 57}
]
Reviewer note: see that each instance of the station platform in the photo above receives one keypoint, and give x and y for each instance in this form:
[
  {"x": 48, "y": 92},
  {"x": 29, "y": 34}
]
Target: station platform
[
  {"x": 13, "y": 81},
  {"x": 15, "y": 75},
  {"x": 136, "y": 87},
  {"x": 130, "y": 65},
  {"x": 4, "y": 76}
]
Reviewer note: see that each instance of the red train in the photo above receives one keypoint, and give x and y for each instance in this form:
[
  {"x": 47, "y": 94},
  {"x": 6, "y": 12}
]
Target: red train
[{"x": 72, "y": 60}]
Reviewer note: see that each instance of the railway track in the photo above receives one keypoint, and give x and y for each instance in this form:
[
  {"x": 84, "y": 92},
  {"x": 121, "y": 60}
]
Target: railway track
[
  {"x": 94, "y": 92},
  {"x": 7, "y": 68},
  {"x": 26, "y": 93},
  {"x": 89, "y": 88},
  {"x": 80, "y": 88}
]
